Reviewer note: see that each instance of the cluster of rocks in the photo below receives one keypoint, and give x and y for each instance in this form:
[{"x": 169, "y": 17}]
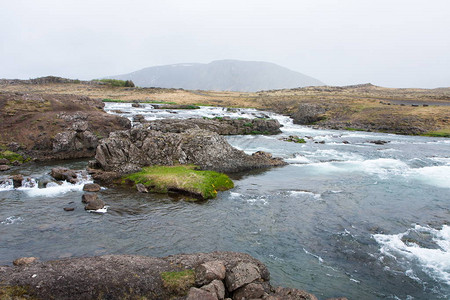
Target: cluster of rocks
[
  {"x": 208, "y": 276},
  {"x": 127, "y": 151},
  {"x": 4, "y": 165},
  {"x": 90, "y": 198},
  {"x": 222, "y": 126},
  {"x": 293, "y": 139}
]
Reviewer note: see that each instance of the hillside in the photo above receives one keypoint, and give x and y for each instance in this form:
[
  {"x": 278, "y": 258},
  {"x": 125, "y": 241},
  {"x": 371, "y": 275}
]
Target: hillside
[{"x": 221, "y": 75}]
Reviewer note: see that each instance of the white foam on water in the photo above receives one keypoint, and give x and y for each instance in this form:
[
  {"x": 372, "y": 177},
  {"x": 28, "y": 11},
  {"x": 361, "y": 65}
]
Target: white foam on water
[
  {"x": 103, "y": 210},
  {"x": 383, "y": 167},
  {"x": 6, "y": 185},
  {"x": 11, "y": 220},
  {"x": 320, "y": 259},
  {"x": 435, "y": 262},
  {"x": 299, "y": 159},
  {"x": 258, "y": 200},
  {"x": 235, "y": 195},
  {"x": 437, "y": 175},
  {"x": 315, "y": 196},
  {"x": 54, "y": 189}
]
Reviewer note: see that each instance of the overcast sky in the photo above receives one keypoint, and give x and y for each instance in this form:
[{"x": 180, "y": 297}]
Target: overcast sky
[{"x": 393, "y": 43}]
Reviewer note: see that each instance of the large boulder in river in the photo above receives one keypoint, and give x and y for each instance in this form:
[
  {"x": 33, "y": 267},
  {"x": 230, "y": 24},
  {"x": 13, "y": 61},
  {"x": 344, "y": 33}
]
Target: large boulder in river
[
  {"x": 51, "y": 126},
  {"x": 223, "y": 126},
  {"x": 128, "y": 151}
]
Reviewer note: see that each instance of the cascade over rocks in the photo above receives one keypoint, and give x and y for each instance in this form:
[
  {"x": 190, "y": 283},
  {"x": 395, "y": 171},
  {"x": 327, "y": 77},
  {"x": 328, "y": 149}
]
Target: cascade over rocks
[
  {"x": 139, "y": 277},
  {"x": 127, "y": 151},
  {"x": 223, "y": 126}
]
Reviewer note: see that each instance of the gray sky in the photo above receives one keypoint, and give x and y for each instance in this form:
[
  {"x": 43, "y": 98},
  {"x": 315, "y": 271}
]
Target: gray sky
[{"x": 393, "y": 43}]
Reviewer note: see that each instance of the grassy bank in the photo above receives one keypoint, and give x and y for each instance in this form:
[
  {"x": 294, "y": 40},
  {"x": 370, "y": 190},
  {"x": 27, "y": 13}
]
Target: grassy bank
[{"x": 181, "y": 178}]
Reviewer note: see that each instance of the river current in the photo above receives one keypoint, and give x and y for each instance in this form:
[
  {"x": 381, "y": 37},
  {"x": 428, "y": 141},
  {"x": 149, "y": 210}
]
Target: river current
[{"x": 346, "y": 217}]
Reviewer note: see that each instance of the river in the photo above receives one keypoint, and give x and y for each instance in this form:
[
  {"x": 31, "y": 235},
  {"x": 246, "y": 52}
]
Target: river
[{"x": 346, "y": 217}]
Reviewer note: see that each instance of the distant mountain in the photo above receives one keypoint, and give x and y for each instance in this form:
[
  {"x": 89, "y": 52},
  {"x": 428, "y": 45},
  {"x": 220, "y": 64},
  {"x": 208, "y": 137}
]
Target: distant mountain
[{"x": 220, "y": 75}]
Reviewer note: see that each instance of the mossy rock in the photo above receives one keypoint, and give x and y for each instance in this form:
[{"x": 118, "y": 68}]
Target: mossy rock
[
  {"x": 179, "y": 282},
  {"x": 185, "y": 179}
]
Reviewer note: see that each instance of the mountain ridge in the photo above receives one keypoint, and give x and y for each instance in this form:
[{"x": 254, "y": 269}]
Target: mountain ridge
[{"x": 220, "y": 75}]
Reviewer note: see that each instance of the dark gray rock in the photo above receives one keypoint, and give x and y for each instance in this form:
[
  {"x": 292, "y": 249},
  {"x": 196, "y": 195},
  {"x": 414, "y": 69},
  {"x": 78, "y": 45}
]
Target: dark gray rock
[
  {"x": 25, "y": 261},
  {"x": 141, "y": 188},
  {"x": 88, "y": 197},
  {"x": 291, "y": 294},
  {"x": 249, "y": 291},
  {"x": 17, "y": 180},
  {"x": 91, "y": 187},
  {"x": 4, "y": 168},
  {"x": 209, "y": 271},
  {"x": 94, "y": 204},
  {"x": 110, "y": 276},
  {"x": 198, "y": 294},
  {"x": 4, "y": 161},
  {"x": 222, "y": 126},
  {"x": 215, "y": 287},
  {"x": 127, "y": 151},
  {"x": 240, "y": 275},
  {"x": 60, "y": 173}
]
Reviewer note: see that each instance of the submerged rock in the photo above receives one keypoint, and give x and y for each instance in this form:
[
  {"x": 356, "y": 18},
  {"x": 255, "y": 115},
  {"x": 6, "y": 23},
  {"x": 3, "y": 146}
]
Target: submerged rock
[{"x": 127, "y": 151}]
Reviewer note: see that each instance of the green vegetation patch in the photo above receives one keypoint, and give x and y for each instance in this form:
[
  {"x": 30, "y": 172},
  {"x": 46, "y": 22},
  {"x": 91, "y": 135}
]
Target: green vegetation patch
[
  {"x": 15, "y": 292},
  {"x": 438, "y": 133},
  {"x": 12, "y": 156},
  {"x": 178, "y": 282},
  {"x": 353, "y": 129},
  {"x": 182, "y": 178},
  {"x": 294, "y": 139},
  {"x": 119, "y": 83}
]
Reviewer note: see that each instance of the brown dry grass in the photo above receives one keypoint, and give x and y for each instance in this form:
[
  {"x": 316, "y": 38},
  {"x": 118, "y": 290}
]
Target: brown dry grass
[{"x": 364, "y": 103}]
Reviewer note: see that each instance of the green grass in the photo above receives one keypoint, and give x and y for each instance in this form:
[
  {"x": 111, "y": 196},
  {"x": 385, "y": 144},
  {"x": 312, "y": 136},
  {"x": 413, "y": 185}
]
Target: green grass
[
  {"x": 248, "y": 124},
  {"x": 178, "y": 282},
  {"x": 12, "y": 156},
  {"x": 15, "y": 292},
  {"x": 353, "y": 129},
  {"x": 182, "y": 178},
  {"x": 118, "y": 83},
  {"x": 438, "y": 133}
]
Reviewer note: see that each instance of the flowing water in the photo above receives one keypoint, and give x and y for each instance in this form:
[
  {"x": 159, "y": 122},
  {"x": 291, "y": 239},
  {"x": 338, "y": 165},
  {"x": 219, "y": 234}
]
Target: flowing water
[{"x": 344, "y": 218}]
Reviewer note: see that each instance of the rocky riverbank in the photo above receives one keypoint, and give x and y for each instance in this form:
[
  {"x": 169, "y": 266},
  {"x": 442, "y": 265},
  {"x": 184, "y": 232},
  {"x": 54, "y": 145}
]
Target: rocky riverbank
[
  {"x": 209, "y": 276},
  {"x": 222, "y": 126},
  {"x": 47, "y": 127}
]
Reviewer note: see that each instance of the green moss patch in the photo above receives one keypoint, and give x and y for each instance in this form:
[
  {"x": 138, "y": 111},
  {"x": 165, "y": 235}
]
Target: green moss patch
[
  {"x": 15, "y": 292},
  {"x": 439, "y": 133},
  {"x": 178, "y": 282},
  {"x": 182, "y": 178},
  {"x": 294, "y": 139},
  {"x": 12, "y": 156}
]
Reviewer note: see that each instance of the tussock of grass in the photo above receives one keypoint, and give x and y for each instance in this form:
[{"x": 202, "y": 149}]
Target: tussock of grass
[
  {"x": 182, "y": 178},
  {"x": 439, "y": 133},
  {"x": 12, "y": 156},
  {"x": 15, "y": 292},
  {"x": 178, "y": 282}
]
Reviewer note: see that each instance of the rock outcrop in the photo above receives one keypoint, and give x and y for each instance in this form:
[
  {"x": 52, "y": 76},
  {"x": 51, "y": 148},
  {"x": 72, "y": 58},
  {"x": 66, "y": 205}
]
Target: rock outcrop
[
  {"x": 223, "y": 126},
  {"x": 127, "y": 151},
  {"x": 46, "y": 126},
  {"x": 140, "y": 277}
]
